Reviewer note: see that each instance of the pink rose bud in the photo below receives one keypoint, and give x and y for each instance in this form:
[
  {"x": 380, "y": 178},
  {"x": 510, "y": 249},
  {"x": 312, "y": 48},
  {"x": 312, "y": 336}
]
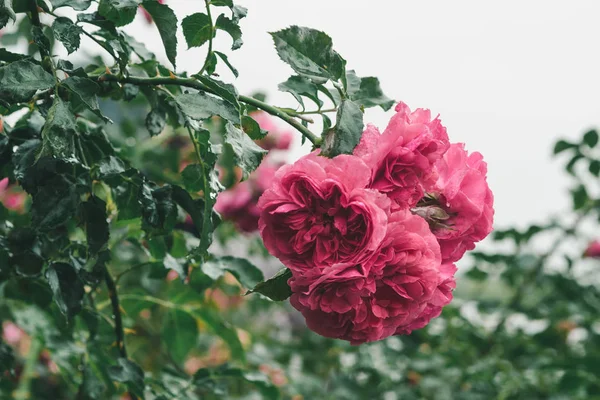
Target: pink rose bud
[{"x": 593, "y": 249}]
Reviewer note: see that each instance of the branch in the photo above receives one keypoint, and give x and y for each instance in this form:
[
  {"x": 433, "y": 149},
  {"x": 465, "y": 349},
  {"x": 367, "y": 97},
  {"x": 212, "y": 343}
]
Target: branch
[
  {"x": 193, "y": 83},
  {"x": 210, "y": 39},
  {"x": 116, "y": 308}
]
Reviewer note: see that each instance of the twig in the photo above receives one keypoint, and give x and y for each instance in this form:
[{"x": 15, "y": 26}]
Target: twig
[
  {"x": 210, "y": 39},
  {"x": 193, "y": 83}
]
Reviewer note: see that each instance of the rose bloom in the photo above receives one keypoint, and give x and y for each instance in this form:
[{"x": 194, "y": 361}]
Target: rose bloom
[
  {"x": 383, "y": 296},
  {"x": 402, "y": 158},
  {"x": 239, "y": 203},
  {"x": 317, "y": 213},
  {"x": 466, "y": 197},
  {"x": 593, "y": 249},
  {"x": 276, "y": 138},
  {"x": 12, "y": 198}
]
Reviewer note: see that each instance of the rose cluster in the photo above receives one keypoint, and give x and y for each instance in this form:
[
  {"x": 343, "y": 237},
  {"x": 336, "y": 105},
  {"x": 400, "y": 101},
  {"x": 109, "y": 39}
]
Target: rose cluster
[
  {"x": 371, "y": 238},
  {"x": 239, "y": 203}
]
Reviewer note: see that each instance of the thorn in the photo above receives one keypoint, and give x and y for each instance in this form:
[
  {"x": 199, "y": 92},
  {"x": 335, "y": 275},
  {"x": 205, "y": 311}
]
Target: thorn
[
  {"x": 157, "y": 72},
  {"x": 107, "y": 70},
  {"x": 171, "y": 75}
]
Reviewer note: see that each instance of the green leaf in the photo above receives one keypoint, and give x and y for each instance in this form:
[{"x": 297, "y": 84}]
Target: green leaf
[
  {"x": 67, "y": 32},
  {"x": 67, "y": 288},
  {"x": 563, "y": 145},
  {"x": 243, "y": 270},
  {"x": 299, "y": 86},
  {"x": 367, "y": 92},
  {"x": 126, "y": 190},
  {"x": 247, "y": 154},
  {"x": 221, "y": 89},
  {"x": 41, "y": 40},
  {"x": 6, "y": 12},
  {"x": 580, "y": 197},
  {"x": 344, "y": 137},
  {"x": 120, "y": 12},
  {"x": 156, "y": 120},
  {"x": 258, "y": 379},
  {"x": 84, "y": 91},
  {"x": 92, "y": 387},
  {"x": 309, "y": 52},
  {"x": 166, "y": 22},
  {"x": 252, "y": 128},
  {"x": 199, "y": 106},
  {"x": 27, "y": 263},
  {"x": 159, "y": 211},
  {"x": 129, "y": 373},
  {"x": 21, "y": 79},
  {"x": 193, "y": 177},
  {"x": 180, "y": 334},
  {"x": 238, "y": 12},
  {"x": 226, "y": 61},
  {"x": 197, "y": 29},
  {"x": 231, "y": 27},
  {"x": 275, "y": 288},
  {"x": 59, "y": 131},
  {"x": 78, "y": 5},
  {"x": 591, "y": 138},
  {"x": 594, "y": 168},
  {"x": 96, "y": 225},
  {"x": 10, "y": 57}
]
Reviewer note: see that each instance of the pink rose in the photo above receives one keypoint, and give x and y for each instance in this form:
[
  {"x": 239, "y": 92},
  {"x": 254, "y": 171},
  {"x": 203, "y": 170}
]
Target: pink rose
[
  {"x": 402, "y": 158},
  {"x": 318, "y": 213},
  {"x": 383, "y": 295},
  {"x": 276, "y": 138},
  {"x": 593, "y": 249},
  {"x": 441, "y": 297},
  {"x": 463, "y": 193}
]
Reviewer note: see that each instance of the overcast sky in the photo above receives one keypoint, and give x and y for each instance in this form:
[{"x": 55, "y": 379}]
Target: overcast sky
[{"x": 507, "y": 78}]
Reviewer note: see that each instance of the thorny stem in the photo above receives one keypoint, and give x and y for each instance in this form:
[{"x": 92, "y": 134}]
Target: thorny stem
[
  {"x": 193, "y": 83},
  {"x": 116, "y": 309},
  {"x": 210, "y": 39}
]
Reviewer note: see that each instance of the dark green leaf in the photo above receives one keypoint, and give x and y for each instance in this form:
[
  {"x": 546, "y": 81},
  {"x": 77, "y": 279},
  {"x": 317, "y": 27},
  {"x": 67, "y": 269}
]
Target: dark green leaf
[
  {"x": 367, "y": 92},
  {"x": 252, "y": 128},
  {"x": 594, "y": 167},
  {"x": 243, "y": 270},
  {"x": 180, "y": 334},
  {"x": 247, "y": 154},
  {"x": 96, "y": 225},
  {"x": 59, "y": 131},
  {"x": 129, "y": 373},
  {"x": 159, "y": 211},
  {"x": 299, "y": 86},
  {"x": 21, "y": 79},
  {"x": 197, "y": 29},
  {"x": 275, "y": 288},
  {"x": 344, "y": 137},
  {"x": 6, "y": 12},
  {"x": 67, "y": 32},
  {"x": 78, "y": 5},
  {"x": 27, "y": 263},
  {"x": 41, "y": 41},
  {"x": 84, "y": 91},
  {"x": 92, "y": 386},
  {"x": 232, "y": 28},
  {"x": 67, "y": 288},
  {"x": 563, "y": 145},
  {"x": 591, "y": 138},
  {"x": 580, "y": 197},
  {"x": 193, "y": 177},
  {"x": 120, "y": 12},
  {"x": 238, "y": 12},
  {"x": 309, "y": 52},
  {"x": 166, "y": 22},
  {"x": 226, "y": 61},
  {"x": 199, "y": 106},
  {"x": 156, "y": 120},
  {"x": 9, "y": 57},
  {"x": 223, "y": 90}
]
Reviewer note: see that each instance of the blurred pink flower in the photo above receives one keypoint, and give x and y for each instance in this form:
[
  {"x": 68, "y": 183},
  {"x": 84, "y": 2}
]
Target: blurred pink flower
[
  {"x": 593, "y": 249},
  {"x": 11, "y": 197},
  {"x": 146, "y": 14},
  {"x": 276, "y": 138}
]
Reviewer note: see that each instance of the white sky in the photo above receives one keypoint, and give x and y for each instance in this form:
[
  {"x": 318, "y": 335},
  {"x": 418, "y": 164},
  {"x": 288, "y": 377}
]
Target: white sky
[{"x": 508, "y": 78}]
